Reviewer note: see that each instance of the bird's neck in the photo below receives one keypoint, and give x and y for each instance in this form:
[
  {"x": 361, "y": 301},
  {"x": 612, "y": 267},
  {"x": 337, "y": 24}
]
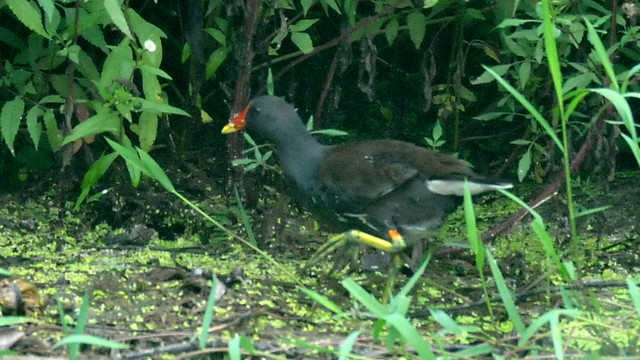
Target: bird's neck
[{"x": 300, "y": 154}]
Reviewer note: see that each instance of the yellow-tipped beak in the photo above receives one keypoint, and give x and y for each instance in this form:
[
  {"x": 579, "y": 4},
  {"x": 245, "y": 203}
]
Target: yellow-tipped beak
[
  {"x": 237, "y": 123},
  {"x": 229, "y": 128}
]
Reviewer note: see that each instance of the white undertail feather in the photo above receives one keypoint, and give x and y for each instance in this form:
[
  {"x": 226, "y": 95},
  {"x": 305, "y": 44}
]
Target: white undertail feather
[{"x": 456, "y": 187}]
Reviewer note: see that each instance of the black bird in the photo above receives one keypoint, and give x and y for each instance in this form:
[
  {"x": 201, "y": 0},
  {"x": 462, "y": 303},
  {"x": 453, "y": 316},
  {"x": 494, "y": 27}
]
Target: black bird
[{"x": 383, "y": 193}]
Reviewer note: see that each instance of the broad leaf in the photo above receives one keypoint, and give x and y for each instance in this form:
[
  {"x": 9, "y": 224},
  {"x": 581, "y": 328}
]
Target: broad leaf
[
  {"x": 28, "y": 15},
  {"x": 10, "y": 116},
  {"x": 117, "y": 16},
  {"x": 302, "y": 41},
  {"x": 417, "y": 24}
]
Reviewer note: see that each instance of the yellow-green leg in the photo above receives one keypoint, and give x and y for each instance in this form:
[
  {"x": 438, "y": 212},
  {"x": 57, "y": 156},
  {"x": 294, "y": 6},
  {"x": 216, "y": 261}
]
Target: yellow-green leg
[{"x": 396, "y": 245}]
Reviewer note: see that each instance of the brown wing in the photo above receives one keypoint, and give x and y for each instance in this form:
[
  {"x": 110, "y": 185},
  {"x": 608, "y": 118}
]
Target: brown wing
[{"x": 370, "y": 170}]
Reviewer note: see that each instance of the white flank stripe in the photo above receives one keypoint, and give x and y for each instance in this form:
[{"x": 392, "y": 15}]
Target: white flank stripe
[{"x": 456, "y": 187}]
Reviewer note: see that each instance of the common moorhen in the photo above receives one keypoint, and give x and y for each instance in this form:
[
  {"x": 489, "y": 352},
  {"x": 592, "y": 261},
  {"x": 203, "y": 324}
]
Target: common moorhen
[{"x": 374, "y": 190}]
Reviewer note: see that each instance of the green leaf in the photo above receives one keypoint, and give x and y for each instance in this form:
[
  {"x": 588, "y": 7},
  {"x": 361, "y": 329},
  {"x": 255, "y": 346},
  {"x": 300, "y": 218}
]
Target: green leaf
[
  {"x": 542, "y": 320},
  {"x": 93, "y": 33},
  {"x": 234, "y": 348},
  {"x": 154, "y": 171},
  {"x": 477, "y": 246},
  {"x": 487, "y": 77},
  {"x": 532, "y": 110},
  {"x": 148, "y": 166},
  {"x": 622, "y": 107},
  {"x": 332, "y": 4},
  {"x": 480, "y": 351},
  {"x": 524, "y": 165},
  {"x": 365, "y": 298},
  {"x": 161, "y": 108},
  {"x": 635, "y": 294},
  {"x": 155, "y": 71},
  {"x": 33, "y": 125},
  {"x": 330, "y": 132},
  {"x": 87, "y": 67},
  {"x": 391, "y": 31},
  {"x": 13, "y": 320},
  {"x": 514, "y": 22},
  {"x": 48, "y": 7},
  {"x": 322, "y": 300},
  {"x": 150, "y": 85},
  {"x": 246, "y": 221},
  {"x": 446, "y": 322},
  {"x": 552, "y": 52},
  {"x": 347, "y": 345},
  {"x": 302, "y": 25},
  {"x": 146, "y": 31},
  {"x": 603, "y": 55},
  {"x": 302, "y": 41},
  {"x": 99, "y": 123},
  {"x": 524, "y": 71},
  {"x": 53, "y": 133},
  {"x": 117, "y": 16},
  {"x": 10, "y": 116},
  {"x": 118, "y": 64},
  {"x": 91, "y": 177},
  {"x": 217, "y": 35},
  {"x": 505, "y": 295},
  {"x": 11, "y": 39},
  {"x": 417, "y": 24},
  {"x": 306, "y": 4},
  {"x": 215, "y": 60},
  {"x": 207, "y": 318},
  {"x": 270, "y": 87},
  {"x": 90, "y": 340},
  {"x": 28, "y": 15},
  {"x": 148, "y": 130},
  {"x": 186, "y": 53},
  {"x": 411, "y": 335}
]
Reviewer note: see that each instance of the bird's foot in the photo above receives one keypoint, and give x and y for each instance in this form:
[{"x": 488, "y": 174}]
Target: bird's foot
[{"x": 396, "y": 245}]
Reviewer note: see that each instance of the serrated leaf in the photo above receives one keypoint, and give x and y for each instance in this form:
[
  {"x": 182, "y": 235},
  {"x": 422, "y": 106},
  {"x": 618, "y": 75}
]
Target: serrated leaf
[
  {"x": 417, "y": 24},
  {"x": 10, "y": 116},
  {"x": 117, "y": 16},
  {"x": 302, "y": 41},
  {"x": 11, "y": 39},
  {"x": 34, "y": 127},
  {"x": 53, "y": 133},
  {"x": 28, "y": 15}
]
